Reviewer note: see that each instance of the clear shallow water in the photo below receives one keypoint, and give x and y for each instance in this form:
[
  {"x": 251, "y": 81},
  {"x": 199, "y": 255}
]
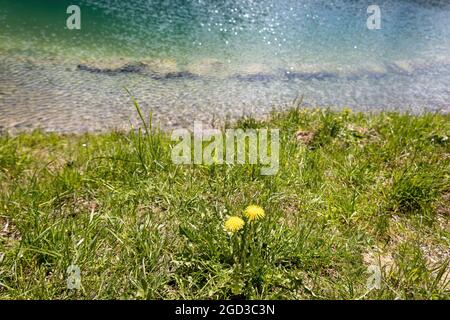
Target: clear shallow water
[{"x": 188, "y": 60}]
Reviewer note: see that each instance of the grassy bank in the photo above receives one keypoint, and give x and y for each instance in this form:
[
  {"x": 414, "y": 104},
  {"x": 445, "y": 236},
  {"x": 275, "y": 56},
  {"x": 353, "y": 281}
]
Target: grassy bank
[{"x": 353, "y": 191}]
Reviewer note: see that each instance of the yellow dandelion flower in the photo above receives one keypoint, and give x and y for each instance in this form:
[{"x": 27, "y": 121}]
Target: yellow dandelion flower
[
  {"x": 234, "y": 224},
  {"x": 253, "y": 212}
]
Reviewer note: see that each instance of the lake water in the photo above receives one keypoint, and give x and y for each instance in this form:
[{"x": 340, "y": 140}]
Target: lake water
[{"x": 205, "y": 60}]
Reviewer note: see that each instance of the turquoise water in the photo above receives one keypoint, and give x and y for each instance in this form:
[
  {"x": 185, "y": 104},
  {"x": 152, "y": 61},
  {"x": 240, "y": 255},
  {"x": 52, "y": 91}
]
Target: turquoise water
[{"x": 207, "y": 60}]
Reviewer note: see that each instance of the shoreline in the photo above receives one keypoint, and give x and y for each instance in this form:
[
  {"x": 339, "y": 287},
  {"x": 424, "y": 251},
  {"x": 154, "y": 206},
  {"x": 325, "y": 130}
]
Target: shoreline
[{"x": 219, "y": 123}]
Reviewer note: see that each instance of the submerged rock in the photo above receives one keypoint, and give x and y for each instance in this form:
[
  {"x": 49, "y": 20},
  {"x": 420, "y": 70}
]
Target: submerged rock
[
  {"x": 309, "y": 76},
  {"x": 127, "y": 68},
  {"x": 308, "y": 72},
  {"x": 161, "y": 67},
  {"x": 138, "y": 67},
  {"x": 254, "y": 72},
  {"x": 110, "y": 63},
  {"x": 254, "y": 77},
  {"x": 108, "y": 71},
  {"x": 403, "y": 66},
  {"x": 370, "y": 71},
  {"x": 256, "y": 68},
  {"x": 155, "y": 69},
  {"x": 208, "y": 67},
  {"x": 373, "y": 71},
  {"x": 180, "y": 74}
]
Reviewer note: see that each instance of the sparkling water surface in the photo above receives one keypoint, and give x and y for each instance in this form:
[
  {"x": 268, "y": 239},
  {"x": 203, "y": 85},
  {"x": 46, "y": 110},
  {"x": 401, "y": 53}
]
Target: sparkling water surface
[{"x": 204, "y": 60}]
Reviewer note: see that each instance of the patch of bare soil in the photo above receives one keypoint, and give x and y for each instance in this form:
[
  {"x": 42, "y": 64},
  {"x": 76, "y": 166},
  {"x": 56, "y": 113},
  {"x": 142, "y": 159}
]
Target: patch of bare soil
[
  {"x": 8, "y": 232},
  {"x": 304, "y": 137}
]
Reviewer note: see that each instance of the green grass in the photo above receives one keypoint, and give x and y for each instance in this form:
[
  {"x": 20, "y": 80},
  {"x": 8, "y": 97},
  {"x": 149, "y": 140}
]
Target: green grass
[{"x": 361, "y": 190}]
